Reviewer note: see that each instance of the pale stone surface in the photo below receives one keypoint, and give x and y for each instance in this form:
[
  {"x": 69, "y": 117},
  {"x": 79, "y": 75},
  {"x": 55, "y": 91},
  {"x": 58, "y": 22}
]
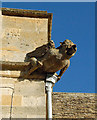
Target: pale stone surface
[
  {"x": 27, "y": 111},
  {"x": 5, "y": 112},
  {"x": 6, "y": 100},
  {"x": 10, "y": 86},
  {"x": 6, "y": 91},
  {"x": 1, "y": 56},
  {"x": 39, "y": 117},
  {"x": 22, "y": 35},
  {"x": 30, "y": 88},
  {"x": 33, "y": 101},
  {"x": 17, "y": 100},
  {"x": 8, "y": 81},
  {"x": 9, "y": 74},
  {"x": 28, "y": 100}
]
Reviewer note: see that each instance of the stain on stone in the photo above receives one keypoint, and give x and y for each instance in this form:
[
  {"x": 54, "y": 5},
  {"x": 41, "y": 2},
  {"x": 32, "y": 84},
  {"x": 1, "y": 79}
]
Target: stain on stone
[{"x": 27, "y": 45}]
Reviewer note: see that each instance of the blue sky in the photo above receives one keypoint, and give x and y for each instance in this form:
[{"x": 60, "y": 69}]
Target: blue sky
[{"x": 74, "y": 21}]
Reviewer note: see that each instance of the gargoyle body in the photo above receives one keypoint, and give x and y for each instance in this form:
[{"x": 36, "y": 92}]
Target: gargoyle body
[{"x": 48, "y": 59}]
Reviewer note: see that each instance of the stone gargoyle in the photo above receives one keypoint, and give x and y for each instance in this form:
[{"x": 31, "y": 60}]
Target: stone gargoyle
[{"x": 48, "y": 59}]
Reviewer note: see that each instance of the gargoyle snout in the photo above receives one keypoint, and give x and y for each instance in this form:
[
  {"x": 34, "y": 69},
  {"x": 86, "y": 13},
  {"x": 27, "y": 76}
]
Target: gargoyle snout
[{"x": 74, "y": 47}]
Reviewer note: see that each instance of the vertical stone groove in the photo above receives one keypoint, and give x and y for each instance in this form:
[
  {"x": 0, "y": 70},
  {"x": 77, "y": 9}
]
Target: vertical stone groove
[{"x": 11, "y": 100}]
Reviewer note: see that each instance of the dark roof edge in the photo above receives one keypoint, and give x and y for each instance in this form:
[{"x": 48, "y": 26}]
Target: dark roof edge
[
  {"x": 73, "y": 93},
  {"x": 30, "y": 13}
]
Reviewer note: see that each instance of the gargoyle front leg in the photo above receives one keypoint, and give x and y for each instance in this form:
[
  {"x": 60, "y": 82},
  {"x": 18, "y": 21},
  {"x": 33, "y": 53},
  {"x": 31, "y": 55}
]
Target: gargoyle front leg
[
  {"x": 63, "y": 70},
  {"x": 34, "y": 64}
]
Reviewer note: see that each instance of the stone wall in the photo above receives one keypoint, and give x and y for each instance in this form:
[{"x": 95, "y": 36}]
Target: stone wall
[
  {"x": 21, "y": 35},
  {"x": 23, "y": 98},
  {"x": 22, "y": 32},
  {"x": 74, "y": 105}
]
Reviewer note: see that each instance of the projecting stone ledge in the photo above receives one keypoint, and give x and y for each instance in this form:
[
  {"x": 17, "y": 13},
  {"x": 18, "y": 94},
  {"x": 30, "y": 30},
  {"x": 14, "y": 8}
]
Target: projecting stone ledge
[
  {"x": 6, "y": 65},
  {"x": 19, "y": 70}
]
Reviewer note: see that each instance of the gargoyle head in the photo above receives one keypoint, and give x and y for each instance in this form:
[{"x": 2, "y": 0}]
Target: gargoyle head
[{"x": 69, "y": 48}]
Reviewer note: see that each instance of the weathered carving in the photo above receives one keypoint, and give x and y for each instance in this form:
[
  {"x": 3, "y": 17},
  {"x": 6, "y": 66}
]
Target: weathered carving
[{"x": 48, "y": 59}]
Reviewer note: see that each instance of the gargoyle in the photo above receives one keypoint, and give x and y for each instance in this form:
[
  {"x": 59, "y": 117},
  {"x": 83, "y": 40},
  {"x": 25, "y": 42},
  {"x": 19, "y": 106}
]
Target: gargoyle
[{"x": 48, "y": 59}]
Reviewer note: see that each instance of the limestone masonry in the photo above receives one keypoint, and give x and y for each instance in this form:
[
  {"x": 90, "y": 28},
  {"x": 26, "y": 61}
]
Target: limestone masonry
[{"x": 22, "y": 32}]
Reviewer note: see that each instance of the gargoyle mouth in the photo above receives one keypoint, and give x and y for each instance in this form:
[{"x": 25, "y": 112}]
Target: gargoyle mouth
[{"x": 71, "y": 50}]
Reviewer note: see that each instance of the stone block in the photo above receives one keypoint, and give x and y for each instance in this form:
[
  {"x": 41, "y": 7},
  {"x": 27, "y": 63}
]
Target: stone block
[
  {"x": 10, "y": 74},
  {"x": 5, "y": 112},
  {"x": 36, "y": 117},
  {"x": 6, "y": 89},
  {"x": 8, "y": 99},
  {"x": 28, "y": 111},
  {"x": 21, "y": 35},
  {"x": 34, "y": 101},
  {"x": 17, "y": 100},
  {"x": 30, "y": 88},
  {"x": 7, "y": 80}
]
